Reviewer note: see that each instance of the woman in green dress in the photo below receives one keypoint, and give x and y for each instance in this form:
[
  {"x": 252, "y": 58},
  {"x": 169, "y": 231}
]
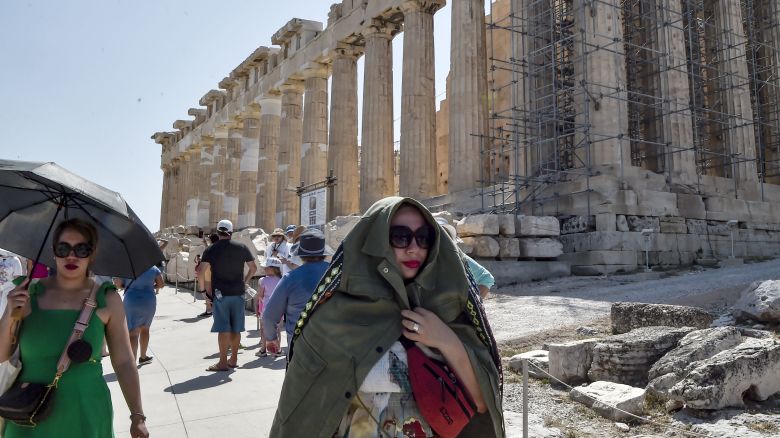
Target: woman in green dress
[{"x": 82, "y": 402}]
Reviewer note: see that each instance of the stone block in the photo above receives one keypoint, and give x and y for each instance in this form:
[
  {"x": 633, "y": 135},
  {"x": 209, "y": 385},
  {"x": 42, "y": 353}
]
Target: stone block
[
  {"x": 695, "y": 346},
  {"x": 604, "y": 397},
  {"x": 596, "y": 270},
  {"x": 570, "y": 361},
  {"x": 537, "y": 226},
  {"x": 575, "y": 224},
  {"x": 750, "y": 370},
  {"x": 506, "y": 224},
  {"x": 627, "y": 358},
  {"x": 655, "y": 203},
  {"x": 606, "y": 222},
  {"x": 510, "y": 272},
  {"x": 600, "y": 258},
  {"x": 508, "y": 247},
  {"x": 675, "y": 225},
  {"x": 622, "y": 223},
  {"x": 537, "y": 359},
  {"x": 478, "y": 225},
  {"x": 759, "y": 302},
  {"x": 691, "y": 206},
  {"x": 482, "y": 246},
  {"x": 696, "y": 226},
  {"x": 688, "y": 243},
  {"x": 629, "y": 316},
  {"x": 540, "y": 247},
  {"x": 639, "y": 223}
]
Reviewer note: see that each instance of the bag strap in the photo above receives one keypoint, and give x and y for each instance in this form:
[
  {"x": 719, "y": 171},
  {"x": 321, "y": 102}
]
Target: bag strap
[{"x": 90, "y": 304}]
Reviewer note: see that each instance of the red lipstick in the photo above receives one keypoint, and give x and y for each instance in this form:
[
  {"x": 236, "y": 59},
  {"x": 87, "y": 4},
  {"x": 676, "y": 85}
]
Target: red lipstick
[
  {"x": 71, "y": 267},
  {"x": 412, "y": 264}
]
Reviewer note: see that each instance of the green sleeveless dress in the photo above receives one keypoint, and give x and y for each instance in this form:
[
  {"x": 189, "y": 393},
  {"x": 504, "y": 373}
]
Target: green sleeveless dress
[{"x": 82, "y": 402}]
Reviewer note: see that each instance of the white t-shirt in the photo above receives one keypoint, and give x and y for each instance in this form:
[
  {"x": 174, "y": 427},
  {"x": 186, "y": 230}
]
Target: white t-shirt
[
  {"x": 10, "y": 268},
  {"x": 282, "y": 251}
]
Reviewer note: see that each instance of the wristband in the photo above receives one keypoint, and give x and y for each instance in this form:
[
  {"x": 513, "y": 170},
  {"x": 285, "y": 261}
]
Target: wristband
[{"x": 138, "y": 414}]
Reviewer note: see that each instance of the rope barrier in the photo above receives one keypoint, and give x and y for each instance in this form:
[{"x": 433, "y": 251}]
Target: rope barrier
[{"x": 646, "y": 420}]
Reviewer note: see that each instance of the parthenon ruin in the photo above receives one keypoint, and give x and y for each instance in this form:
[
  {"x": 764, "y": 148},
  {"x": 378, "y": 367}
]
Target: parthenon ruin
[{"x": 616, "y": 116}]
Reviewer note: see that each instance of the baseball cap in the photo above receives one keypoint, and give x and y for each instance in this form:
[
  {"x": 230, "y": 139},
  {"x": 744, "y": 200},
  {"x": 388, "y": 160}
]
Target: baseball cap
[
  {"x": 289, "y": 229},
  {"x": 225, "y": 226}
]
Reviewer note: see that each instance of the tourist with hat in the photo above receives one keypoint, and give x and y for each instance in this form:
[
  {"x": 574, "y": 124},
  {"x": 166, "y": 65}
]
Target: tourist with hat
[
  {"x": 223, "y": 274},
  {"x": 288, "y": 233},
  {"x": 295, "y": 288},
  {"x": 273, "y": 273},
  {"x": 280, "y": 247}
]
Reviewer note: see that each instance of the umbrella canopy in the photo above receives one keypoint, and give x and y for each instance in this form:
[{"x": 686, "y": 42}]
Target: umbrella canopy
[{"x": 35, "y": 197}]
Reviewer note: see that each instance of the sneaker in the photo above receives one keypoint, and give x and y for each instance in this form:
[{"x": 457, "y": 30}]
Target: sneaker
[
  {"x": 145, "y": 360},
  {"x": 261, "y": 353},
  {"x": 205, "y": 315}
]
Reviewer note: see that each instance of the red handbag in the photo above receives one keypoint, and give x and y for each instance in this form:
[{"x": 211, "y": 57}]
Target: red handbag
[{"x": 439, "y": 396}]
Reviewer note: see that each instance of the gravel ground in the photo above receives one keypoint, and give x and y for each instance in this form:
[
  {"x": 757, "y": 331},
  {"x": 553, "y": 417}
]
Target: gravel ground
[{"x": 524, "y": 317}]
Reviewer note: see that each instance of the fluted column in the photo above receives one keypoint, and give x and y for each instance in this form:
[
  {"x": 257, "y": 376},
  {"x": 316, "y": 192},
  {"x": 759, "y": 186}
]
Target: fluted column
[
  {"x": 173, "y": 193},
  {"x": 418, "y": 175},
  {"x": 204, "y": 181},
  {"x": 377, "y": 180},
  {"x": 217, "y": 180},
  {"x": 192, "y": 186},
  {"x": 314, "y": 147},
  {"x": 267, "y": 165},
  {"x": 770, "y": 94},
  {"x": 290, "y": 135},
  {"x": 247, "y": 187},
  {"x": 468, "y": 99},
  {"x": 232, "y": 174},
  {"x": 343, "y": 147},
  {"x": 165, "y": 193}
]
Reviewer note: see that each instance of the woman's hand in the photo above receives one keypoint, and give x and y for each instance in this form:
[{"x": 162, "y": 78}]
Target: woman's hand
[
  {"x": 430, "y": 330},
  {"x": 138, "y": 428},
  {"x": 19, "y": 297}
]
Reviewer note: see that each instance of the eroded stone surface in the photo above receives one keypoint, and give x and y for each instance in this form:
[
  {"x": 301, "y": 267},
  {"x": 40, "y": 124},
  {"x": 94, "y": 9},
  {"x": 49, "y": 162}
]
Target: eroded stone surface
[
  {"x": 539, "y": 359},
  {"x": 751, "y": 369},
  {"x": 760, "y": 302},
  {"x": 478, "y": 225},
  {"x": 604, "y": 397},
  {"x": 538, "y": 226},
  {"x": 570, "y": 361},
  {"x": 629, "y": 316},
  {"x": 627, "y": 358},
  {"x": 482, "y": 246},
  {"x": 540, "y": 247}
]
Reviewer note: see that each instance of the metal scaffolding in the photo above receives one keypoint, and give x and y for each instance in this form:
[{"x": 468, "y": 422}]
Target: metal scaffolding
[{"x": 543, "y": 103}]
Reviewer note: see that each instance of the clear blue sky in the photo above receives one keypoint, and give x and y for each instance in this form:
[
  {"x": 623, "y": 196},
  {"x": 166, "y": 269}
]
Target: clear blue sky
[{"x": 86, "y": 82}]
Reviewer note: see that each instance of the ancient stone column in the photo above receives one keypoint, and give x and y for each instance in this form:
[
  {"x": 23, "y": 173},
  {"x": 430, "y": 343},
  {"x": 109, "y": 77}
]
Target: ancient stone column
[
  {"x": 180, "y": 170},
  {"x": 343, "y": 148},
  {"x": 267, "y": 165},
  {"x": 376, "y": 160},
  {"x": 770, "y": 94},
  {"x": 314, "y": 147},
  {"x": 217, "y": 180},
  {"x": 247, "y": 187},
  {"x": 735, "y": 89},
  {"x": 164, "y": 200},
  {"x": 468, "y": 98},
  {"x": 602, "y": 103},
  {"x": 290, "y": 135},
  {"x": 192, "y": 186},
  {"x": 418, "y": 101},
  {"x": 232, "y": 174},
  {"x": 676, "y": 121},
  {"x": 204, "y": 181}
]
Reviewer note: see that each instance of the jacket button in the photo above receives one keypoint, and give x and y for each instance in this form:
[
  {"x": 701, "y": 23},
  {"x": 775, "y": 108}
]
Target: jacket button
[
  {"x": 348, "y": 394},
  {"x": 379, "y": 349},
  {"x": 385, "y": 270}
]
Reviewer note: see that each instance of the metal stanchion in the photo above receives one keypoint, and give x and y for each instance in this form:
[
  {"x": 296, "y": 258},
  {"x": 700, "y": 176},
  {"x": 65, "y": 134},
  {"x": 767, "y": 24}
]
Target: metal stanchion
[{"x": 525, "y": 398}]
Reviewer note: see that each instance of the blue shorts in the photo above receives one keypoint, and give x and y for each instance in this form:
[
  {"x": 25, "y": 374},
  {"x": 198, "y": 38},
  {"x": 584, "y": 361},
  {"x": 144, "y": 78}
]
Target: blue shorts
[
  {"x": 228, "y": 314},
  {"x": 140, "y": 309}
]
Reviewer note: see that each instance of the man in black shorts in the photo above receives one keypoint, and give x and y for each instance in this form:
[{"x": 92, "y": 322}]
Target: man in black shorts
[{"x": 223, "y": 272}]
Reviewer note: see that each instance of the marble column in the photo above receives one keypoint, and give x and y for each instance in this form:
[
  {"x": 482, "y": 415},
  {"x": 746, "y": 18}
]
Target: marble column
[
  {"x": 314, "y": 148},
  {"x": 290, "y": 136},
  {"x": 204, "y": 181},
  {"x": 770, "y": 94},
  {"x": 469, "y": 93},
  {"x": 192, "y": 186},
  {"x": 164, "y": 201},
  {"x": 217, "y": 180},
  {"x": 232, "y": 174},
  {"x": 180, "y": 194},
  {"x": 377, "y": 179},
  {"x": 343, "y": 147},
  {"x": 602, "y": 103},
  {"x": 676, "y": 119},
  {"x": 418, "y": 175},
  {"x": 268, "y": 165},
  {"x": 247, "y": 188},
  {"x": 735, "y": 90}
]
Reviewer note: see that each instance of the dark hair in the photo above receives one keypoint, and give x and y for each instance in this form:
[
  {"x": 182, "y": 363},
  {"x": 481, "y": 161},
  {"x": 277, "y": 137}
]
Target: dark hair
[
  {"x": 311, "y": 259},
  {"x": 85, "y": 228},
  {"x": 213, "y": 237},
  {"x": 276, "y": 270}
]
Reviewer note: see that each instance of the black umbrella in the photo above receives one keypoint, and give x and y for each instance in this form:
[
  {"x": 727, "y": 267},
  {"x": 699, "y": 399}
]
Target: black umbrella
[{"x": 34, "y": 197}]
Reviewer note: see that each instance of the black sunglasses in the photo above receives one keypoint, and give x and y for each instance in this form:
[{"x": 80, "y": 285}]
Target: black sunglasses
[
  {"x": 401, "y": 236},
  {"x": 82, "y": 250}
]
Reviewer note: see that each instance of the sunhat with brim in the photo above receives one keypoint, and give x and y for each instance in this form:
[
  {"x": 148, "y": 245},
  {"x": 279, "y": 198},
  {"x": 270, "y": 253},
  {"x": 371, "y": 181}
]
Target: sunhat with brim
[
  {"x": 272, "y": 262},
  {"x": 449, "y": 229},
  {"x": 277, "y": 232},
  {"x": 310, "y": 244}
]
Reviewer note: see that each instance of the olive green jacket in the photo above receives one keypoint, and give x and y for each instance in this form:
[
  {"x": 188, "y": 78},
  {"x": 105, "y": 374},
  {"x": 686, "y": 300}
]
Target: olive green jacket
[{"x": 358, "y": 318}]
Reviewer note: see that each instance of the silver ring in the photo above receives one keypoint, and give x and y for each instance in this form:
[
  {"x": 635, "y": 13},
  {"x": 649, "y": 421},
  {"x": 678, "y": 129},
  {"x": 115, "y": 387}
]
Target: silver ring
[{"x": 416, "y": 328}]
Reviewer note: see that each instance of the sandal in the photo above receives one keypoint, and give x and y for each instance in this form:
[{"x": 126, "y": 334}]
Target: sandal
[{"x": 215, "y": 368}]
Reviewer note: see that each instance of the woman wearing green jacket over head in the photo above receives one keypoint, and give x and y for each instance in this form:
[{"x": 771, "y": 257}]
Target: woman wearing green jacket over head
[{"x": 393, "y": 276}]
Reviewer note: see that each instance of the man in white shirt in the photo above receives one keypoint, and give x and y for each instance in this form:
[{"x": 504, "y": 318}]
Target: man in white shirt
[{"x": 279, "y": 248}]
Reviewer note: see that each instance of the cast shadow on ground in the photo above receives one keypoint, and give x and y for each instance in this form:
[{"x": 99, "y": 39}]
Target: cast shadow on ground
[
  {"x": 190, "y": 320},
  {"x": 201, "y": 382},
  {"x": 268, "y": 362}
]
